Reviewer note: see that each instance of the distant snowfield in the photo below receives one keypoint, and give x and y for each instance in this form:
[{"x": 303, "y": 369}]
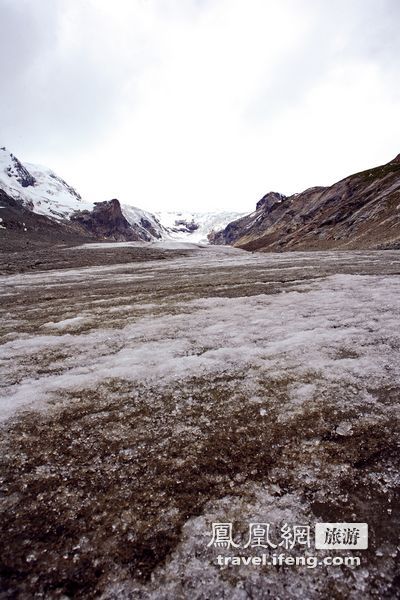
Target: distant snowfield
[
  {"x": 300, "y": 329},
  {"x": 205, "y": 221}
]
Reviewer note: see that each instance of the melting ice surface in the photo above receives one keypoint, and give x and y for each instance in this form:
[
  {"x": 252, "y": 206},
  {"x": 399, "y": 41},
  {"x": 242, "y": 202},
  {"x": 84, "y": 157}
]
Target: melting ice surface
[
  {"x": 216, "y": 386},
  {"x": 163, "y": 336}
]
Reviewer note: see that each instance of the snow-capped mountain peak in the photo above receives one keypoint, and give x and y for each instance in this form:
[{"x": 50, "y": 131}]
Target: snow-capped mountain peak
[{"x": 39, "y": 188}]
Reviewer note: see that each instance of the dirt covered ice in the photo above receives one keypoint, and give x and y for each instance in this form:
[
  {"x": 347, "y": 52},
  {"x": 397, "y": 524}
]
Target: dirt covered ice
[{"x": 144, "y": 401}]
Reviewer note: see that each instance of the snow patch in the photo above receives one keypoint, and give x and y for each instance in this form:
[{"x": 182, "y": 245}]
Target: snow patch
[{"x": 294, "y": 334}]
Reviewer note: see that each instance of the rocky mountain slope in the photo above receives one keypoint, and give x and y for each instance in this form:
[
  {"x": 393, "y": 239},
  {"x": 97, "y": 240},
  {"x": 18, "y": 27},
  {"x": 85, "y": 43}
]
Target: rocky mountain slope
[
  {"x": 106, "y": 220},
  {"x": 23, "y": 229},
  {"x": 359, "y": 212},
  {"x": 39, "y": 190}
]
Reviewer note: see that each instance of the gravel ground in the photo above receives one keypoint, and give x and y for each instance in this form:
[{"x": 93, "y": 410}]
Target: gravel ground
[{"x": 149, "y": 392}]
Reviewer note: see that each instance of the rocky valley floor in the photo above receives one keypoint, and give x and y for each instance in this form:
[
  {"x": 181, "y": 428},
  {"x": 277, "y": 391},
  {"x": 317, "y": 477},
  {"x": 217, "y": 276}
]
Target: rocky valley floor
[{"x": 149, "y": 392}]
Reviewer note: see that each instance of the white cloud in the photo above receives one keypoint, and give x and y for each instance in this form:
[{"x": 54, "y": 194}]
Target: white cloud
[{"x": 200, "y": 103}]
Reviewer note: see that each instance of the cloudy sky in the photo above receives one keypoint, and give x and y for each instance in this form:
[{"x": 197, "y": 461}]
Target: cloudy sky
[{"x": 200, "y": 104}]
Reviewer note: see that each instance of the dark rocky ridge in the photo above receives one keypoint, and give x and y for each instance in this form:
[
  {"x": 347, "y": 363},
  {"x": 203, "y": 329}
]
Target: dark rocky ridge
[
  {"x": 359, "y": 212},
  {"x": 106, "y": 221},
  {"x": 270, "y": 200}
]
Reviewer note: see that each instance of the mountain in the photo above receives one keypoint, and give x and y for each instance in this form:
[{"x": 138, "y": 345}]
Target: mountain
[
  {"x": 23, "y": 229},
  {"x": 361, "y": 211},
  {"x": 194, "y": 226},
  {"x": 41, "y": 191},
  {"x": 107, "y": 221}
]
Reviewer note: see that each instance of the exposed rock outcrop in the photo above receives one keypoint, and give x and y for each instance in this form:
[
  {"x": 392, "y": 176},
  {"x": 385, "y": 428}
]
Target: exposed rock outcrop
[
  {"x": 106, "y": 221},
  {"x": 21, "y": 228},
  {"x": 270, "y": 200},
  {"x": 184, "y": 226},
  {"x": 361, "y": 211}
]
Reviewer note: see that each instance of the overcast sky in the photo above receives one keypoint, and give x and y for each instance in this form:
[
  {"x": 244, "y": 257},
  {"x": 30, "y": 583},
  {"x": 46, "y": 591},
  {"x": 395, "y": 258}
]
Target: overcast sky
[{"x": 200, "y": 104}]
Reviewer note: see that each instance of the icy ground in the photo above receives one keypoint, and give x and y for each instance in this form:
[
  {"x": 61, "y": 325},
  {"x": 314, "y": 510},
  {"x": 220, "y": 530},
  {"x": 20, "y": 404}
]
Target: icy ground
[{"x": 143, "y": 401}]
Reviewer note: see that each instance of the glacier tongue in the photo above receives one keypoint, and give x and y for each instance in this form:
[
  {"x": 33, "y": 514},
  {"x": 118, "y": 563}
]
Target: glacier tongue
[{"x": 194, "y": 226}]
